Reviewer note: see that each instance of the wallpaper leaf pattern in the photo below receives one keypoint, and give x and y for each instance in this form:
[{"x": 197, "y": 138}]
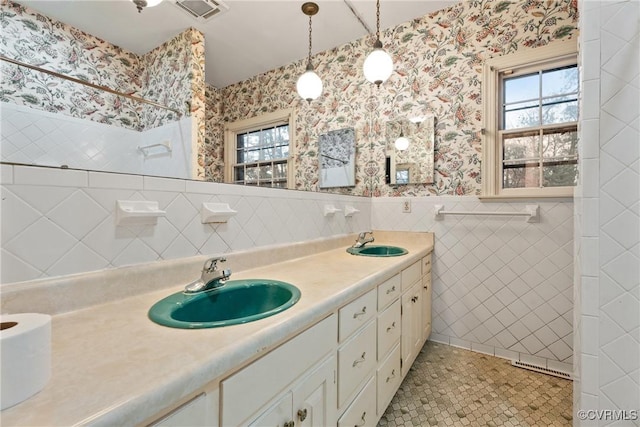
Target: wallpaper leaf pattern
[{"x": 438, "y": 68}]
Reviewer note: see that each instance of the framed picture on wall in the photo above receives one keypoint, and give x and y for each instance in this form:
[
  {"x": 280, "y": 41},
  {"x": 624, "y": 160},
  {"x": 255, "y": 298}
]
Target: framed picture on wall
[{"x": 337, "y": 152}]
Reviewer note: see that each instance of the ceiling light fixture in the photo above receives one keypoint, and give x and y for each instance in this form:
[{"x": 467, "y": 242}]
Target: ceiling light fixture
[
  {"x": 378, "y": 66},
  {"x": 309, "y": 85},
  {"x": 140, "y": 4}
]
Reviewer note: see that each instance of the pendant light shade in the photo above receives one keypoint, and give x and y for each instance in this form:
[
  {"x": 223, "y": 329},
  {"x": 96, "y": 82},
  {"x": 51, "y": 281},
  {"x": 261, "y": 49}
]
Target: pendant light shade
[
  {"x": 402, "y": 143},
  {"x": 309, "y": 85},
  {"x": 140, "y": 4},
  {"x": 378, "y": 66}
]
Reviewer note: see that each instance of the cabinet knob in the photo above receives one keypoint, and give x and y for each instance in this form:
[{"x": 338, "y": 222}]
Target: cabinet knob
[
  {"x": 393, "y": 289},
  {"x": 363, "y": 311},
  {"x": 357, "y": 362},
  {"x": 393, "y": 326},
  {"x": 364, "y": 414},
  {"x": 392, "y": 376},
  {"x": 302, "y": 414},
  {"x": 289, "y": 424}
]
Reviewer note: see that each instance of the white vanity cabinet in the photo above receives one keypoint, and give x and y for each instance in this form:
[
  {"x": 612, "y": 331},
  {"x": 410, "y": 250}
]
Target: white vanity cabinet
[{"x": 291, "y": 385}]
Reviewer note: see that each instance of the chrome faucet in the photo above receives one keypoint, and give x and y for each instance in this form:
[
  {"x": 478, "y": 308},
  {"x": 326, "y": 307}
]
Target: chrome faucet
[
  {"x": 363, "y": 240},
  {"x": 211, "y": 277}
]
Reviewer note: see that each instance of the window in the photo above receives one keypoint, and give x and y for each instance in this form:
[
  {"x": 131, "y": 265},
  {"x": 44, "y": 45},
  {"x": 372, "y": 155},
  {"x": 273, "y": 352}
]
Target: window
[
  {"x": 258, "y": 151},
  {"x": 530, "y": 146}
]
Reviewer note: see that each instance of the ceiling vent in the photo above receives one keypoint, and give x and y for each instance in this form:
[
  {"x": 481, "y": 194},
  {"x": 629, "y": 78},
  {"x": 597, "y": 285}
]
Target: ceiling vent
[{"x": 202, "y": 9}]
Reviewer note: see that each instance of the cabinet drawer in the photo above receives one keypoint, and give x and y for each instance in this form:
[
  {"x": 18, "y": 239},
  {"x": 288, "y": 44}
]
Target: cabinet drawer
[
  {"x": 388, "y": 329},
  {"x": 426, "y": 264},
  {"x": 249, "y": 389},
  {"x": 356, "y": 360},
  {"x": 411, "y": 275},
  {"x": 362, "y": 412},
  {"x": 389, "y": 378},
  {"x": 357, "y": 313},
  {"x": 388, "y": 291}
]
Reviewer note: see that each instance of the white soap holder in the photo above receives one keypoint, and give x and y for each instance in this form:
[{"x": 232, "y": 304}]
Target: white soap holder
[
  {"x": 136, "y": 212},
  {"x": 216, "y": 212},
  {"x": 330, "y": 210},
  {"x": 349, "y": 211}
]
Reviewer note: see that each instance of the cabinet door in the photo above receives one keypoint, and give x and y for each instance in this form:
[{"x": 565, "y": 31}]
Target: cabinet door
[
  {"x": 426, "y": 307},
  {"x": 192, "y": 413},
  {"x": 411, "y": 326},
  {"x": 315, "y": 398},
  {"x": 277, "y": 415}
]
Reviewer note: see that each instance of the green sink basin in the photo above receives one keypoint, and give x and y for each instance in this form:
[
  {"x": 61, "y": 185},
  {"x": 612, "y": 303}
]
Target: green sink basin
[
  {"x": 238, "y": 301},
  {"x": 378, "y": 250}
]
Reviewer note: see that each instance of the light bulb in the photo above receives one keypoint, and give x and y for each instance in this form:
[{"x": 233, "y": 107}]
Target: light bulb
[
  {"x": 378, "y": 66},
  {"x": 151, "y": 3},
  {"x": 402, "y": 143},
  {"x": 309, "y": 85}
]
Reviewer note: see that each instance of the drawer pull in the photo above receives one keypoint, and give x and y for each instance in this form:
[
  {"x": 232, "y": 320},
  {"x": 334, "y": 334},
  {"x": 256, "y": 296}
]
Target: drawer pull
[
  {"x": 289, "y": 424},
  {"x": 358, "y": 361},
  {"x": 392, "y": 376},
  {"x": 393, "y": 326},
  {"x": 364, "y": 414},
  {"x": 363, "y": 311},
  {"x": 302, "y": 414},
  {"x": 426, "y": 287},
  {"x": 393, "y": 289},
  {"x": 414, "y": 299}
]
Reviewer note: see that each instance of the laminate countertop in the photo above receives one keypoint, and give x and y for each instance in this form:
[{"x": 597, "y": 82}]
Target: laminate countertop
[{"x": 111, "y": 365}]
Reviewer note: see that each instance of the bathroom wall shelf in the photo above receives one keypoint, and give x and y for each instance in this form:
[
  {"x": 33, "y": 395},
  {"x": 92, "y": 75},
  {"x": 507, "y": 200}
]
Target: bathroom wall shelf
[
  {"x": 532, "y": 212},
  {"x": 216, "y": 212},
  {"x": 149, "y": 150},
  {"x": 349, "y": 211},
  {"x": 137, "y": 212},
  {"x": 330, "y": 210}
]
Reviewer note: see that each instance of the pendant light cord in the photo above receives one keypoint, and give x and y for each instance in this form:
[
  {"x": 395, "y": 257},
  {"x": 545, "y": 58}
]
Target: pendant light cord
[
  {"x": 310, "y": 30},
  {"x": 378, "y": 20}
]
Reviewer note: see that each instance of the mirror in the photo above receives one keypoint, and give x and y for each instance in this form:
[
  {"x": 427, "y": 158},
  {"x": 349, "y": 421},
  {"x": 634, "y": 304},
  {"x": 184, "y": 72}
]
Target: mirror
[
  {"x": 410, "y": 151},
  {"x": 337, "y": 150},
  {"x": 188, "y": 130}
]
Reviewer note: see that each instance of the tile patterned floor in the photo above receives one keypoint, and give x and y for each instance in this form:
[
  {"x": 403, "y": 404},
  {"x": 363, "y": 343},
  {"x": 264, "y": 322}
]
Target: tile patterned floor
[{"x": 448, "y": 386}]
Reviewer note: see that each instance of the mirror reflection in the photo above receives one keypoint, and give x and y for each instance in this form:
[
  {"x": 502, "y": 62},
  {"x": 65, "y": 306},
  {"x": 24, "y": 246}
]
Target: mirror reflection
[{"x": 410, "y": 150}]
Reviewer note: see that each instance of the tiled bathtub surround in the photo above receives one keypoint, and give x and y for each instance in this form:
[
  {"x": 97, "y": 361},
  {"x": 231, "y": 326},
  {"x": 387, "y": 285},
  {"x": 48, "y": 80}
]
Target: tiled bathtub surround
[
  {"x": 501, "y": 285},
  {"x": 67, "y": 225},
  {"x": 39, "y": 137},
  {"x": 607, "y": 282}
]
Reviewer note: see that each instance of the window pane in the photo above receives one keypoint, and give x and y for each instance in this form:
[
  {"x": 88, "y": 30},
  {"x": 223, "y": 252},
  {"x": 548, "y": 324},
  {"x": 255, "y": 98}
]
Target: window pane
[
  {"x": 252, "y": 156},
  {"x": 522, "y": 175},
  {"x": 251, "y": 174},
  {"x": 280, "y": 170},
  {"x": 253, "y": 139},
  {"x": 560, "y": 81},
  {"x": 560, "y": 174},
  {"x": 265, "y": 172},
  {"x": 521, "y": 88},
  {"x": 560, "y": 144},
  {"x": 521, "y": 146},
  {"x": 559, "y": 110},
  {"x": 241, "y": 140},
  {"x": 239, "y": 173},
  {"x": 521, "y": 116}
]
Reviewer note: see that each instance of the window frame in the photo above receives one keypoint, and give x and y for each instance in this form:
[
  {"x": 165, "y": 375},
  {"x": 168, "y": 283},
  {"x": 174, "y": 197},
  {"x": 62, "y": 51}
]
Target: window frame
[
  {"x": 231, "y": 131},
  {"x": 555, "y": 54}
]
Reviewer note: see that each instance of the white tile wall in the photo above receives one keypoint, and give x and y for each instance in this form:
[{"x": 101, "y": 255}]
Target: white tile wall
[
  {"x": 501, "y": 285},
  {"x": 58, "y": 222},
  {"x": 608, "y": 236},
  {"x": 42, "y": 138}
]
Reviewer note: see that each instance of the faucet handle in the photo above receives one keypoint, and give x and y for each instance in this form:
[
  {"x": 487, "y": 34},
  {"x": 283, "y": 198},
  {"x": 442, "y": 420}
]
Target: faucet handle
[{"x": 212, "y": 263}]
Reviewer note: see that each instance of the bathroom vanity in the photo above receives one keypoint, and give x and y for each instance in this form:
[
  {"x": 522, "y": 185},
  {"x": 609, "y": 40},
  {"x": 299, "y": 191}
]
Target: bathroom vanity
[{"x": 336, "y": 357}]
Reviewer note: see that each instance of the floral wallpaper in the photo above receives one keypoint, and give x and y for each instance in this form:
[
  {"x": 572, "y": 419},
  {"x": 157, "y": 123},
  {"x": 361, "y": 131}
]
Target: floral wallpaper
[
  {"x": 36, "y": 39},
  {"x": 438, "y": 71},
  {"x": 213, "y": 153}
]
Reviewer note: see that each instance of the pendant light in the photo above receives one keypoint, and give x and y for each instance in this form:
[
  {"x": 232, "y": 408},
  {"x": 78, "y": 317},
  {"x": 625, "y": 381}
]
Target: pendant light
[
  {"x": 402, "y": 143},
  {"x": 309, "y": 85},
  {"x": 140, "y": 4},
  {"x": 378, "y": 66}
]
